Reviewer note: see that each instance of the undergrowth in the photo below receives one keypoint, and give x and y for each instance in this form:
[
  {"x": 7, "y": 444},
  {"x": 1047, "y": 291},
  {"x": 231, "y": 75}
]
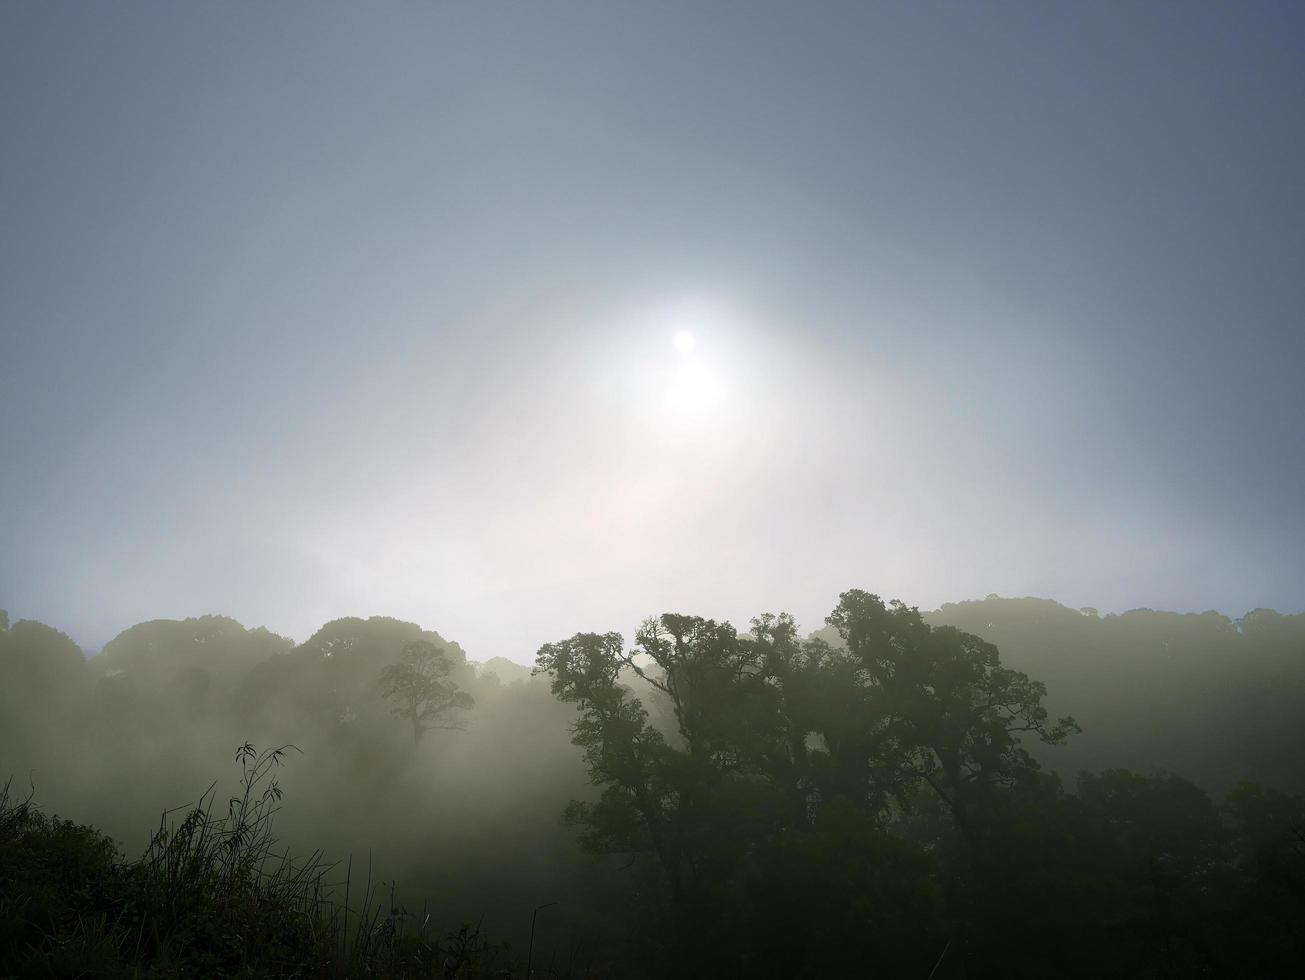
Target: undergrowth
[{"x": 212, "y": 896}]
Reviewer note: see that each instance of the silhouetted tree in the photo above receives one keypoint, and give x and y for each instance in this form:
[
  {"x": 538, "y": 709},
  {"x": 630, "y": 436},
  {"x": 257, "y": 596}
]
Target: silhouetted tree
[
  {"x": 419, "y": 691},
  {"x": 624, "y": 753},
  {"x": 731, "y": 799},
  {"x": 950, "y": 711}
]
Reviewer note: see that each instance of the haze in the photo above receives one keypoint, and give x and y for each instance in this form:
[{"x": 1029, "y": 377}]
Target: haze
[{"x": 323, "y": 311}]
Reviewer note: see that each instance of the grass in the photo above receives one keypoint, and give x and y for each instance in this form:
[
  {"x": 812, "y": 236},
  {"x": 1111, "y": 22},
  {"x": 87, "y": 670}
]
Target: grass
[{"x": 213, "y": 895}]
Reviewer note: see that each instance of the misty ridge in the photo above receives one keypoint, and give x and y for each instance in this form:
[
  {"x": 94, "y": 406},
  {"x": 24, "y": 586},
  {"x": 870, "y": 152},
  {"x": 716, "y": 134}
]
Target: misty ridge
[{"x": 891, "y": 794}]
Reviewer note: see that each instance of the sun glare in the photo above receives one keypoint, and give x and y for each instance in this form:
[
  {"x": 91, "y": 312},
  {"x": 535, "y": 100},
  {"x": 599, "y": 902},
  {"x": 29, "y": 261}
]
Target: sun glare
[
  {"x": 693, "y": 390},
  {"x": 681, "y": 376}
]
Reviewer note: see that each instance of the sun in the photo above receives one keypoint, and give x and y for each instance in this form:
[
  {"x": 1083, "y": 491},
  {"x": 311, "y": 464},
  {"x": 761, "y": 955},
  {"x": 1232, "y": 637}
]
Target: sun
[
  {"x": 681, "y": 372},
  {"x": 695, "y": 389}
]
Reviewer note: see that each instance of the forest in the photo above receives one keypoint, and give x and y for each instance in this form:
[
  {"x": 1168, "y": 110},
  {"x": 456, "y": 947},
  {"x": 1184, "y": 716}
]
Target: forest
[{"x": 997, "y": 788}]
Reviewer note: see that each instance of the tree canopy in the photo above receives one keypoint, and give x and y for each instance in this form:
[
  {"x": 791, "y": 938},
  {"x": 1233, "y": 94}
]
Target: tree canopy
[{"x": 419, "y": 692}]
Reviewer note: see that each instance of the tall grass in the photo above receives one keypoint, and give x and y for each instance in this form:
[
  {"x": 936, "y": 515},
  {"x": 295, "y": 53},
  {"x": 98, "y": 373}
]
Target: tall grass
[{"x": 213, "y": 895}]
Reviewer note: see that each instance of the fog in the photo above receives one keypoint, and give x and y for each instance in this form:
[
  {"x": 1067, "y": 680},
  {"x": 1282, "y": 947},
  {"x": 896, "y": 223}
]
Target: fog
[
  {"x": 463, "y": 813},
  {"x": 652, "y": 490},
  {"x": 370, "y": 313}
]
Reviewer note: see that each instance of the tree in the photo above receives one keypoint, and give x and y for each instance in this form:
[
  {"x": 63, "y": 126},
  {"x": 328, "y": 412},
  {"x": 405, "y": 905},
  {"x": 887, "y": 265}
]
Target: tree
[
  {"x": 943, "y": 705},
  {"x": 417, "y": 687},
  {"x": 624, "y": 753},
  {"x": 700, "y": 797},
  {"x": 38, "y": 663},
  {"x": 195, "y": 659},
  {"x": 776, "y": 754},
  {"x": 727, "y": 796},
  {"x": 43, "y": 683}
]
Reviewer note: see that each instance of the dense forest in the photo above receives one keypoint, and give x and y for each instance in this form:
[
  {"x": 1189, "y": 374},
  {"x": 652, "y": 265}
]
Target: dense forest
[{"x": 896, "y": 794}]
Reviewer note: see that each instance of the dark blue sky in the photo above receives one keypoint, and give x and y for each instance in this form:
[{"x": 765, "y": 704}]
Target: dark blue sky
[{"x": 309, "y": 311}]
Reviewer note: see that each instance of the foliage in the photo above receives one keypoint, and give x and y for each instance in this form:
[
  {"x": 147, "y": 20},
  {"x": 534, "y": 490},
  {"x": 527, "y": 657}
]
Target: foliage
[
  {"x": 211, "y": 896},
  {"x": 862, "y": 801},
  {"x": 942, "y": 704},
  {"x": 741, "y": 789},
  {"x": 417, "y": 688},
  {"x": 1150, "y": 687}
]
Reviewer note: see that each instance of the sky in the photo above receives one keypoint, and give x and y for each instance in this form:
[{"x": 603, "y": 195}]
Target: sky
[{"x": 312, "y": 310}]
